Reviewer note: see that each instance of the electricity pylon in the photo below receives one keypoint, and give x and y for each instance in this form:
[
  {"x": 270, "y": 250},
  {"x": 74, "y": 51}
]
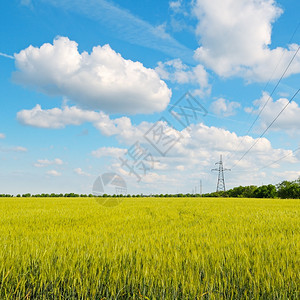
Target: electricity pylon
[{"x": 221, "y": 181}]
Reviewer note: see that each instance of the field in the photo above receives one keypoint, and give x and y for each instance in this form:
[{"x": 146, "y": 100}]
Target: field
[{"x": 149, "y": 248}]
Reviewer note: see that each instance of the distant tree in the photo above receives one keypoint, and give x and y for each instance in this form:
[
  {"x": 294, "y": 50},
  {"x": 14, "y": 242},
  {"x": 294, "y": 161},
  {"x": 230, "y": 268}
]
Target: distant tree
[
  {"x": 236, "y": 192},
  {"x": 249, "y": 191},
  {"x": 241, "y": 192},
  {"x": 265, "y": 191},
  {"x": 26, "y": 195},
  {"x": 289, "y": 189}
]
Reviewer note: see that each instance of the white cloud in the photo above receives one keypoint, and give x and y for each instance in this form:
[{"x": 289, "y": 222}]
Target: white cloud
[
  {"x": 101, "y": 80},
  {"x": 2, "y": 136},
  {"x": 80, "y": 172},
  {"x": 123, "y": 129},
  {"x": 180, "y": 16},
  {"x": 180, "y": 168},
  {"x": 13, "y": 149},
  {"x": 289, "y": 119},
  {"x": 6, "y": 55},
  {"x": 157, "y": 165},
  {"x": 224, "y": 107},
  {"x": 110, "y": 127},
  {"x": 152, "y": 177},
  {"x": 235, "y": 38},
  {"x": 109, "y": 152},
  {"x": 61, "y": 117},
  {"x": 248, "y": 110},
  {"x": 161, "y": 30},
  {"x": 126, "y": 26},
  {"x": 287, "y": 175},
  {"x": 18, "y": 149},
  {"x": 53, "y": 173},
  {"x": 199, "y": 149},
  {"x": 57, "y": 117},
  {"x": 175, "y": 5},
  {"x": 205, "y": 144},
  {"x": 175, "y": 71},
  {"x": 46, "y": 162},
  {"x": 200, "y": 146},
  {"x": 283, "y": 94},
  {"x": 212, "y": 138}
]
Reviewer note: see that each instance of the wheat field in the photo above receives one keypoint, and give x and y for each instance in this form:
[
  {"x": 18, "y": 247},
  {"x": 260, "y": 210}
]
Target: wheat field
[{"x": 149, "y": 248}]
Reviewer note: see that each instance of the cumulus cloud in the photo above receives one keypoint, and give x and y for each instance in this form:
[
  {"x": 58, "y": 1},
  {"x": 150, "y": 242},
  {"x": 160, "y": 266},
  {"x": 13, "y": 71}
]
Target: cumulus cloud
[
  {"x": 289, "y": 119},
  {"x": 13, "y": 149},
  {"x": 224, "y": 107},
  {"x": 109, "y": 127},
  {"x": 18, "y": 149},
  {"x": 287, "y": 175},
  {"x": 202, "y": 144},
  {"x": 175, "y": 71},
  {"x": 235, "y": 38},
  {"x": 61, "y": 117},
  {"x": 108, "y": 151},
  {"x": 53, "y": 173},
  {"x": 101, "y": 80},
  {"x": 80, "y": 172},
  {"x": 2, "y": 136},
  {"x": 198, "y": 150},
  {"x": 46, "y": 162},
  {"x": 199, "y": 147},
  {"x": 56, "y": 117}
]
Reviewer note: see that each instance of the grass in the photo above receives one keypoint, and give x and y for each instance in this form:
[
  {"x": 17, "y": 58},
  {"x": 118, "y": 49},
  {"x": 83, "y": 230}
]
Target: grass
[{"x": 149, "y": 248}]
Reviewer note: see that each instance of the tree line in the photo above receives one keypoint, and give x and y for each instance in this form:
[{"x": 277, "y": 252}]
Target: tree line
[{"x": 284, "y": 190}]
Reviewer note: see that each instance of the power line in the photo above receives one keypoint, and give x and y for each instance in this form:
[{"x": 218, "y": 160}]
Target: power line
[
  {"x": 297, "y": 27},
  {"x": 257, "y": 140},
  {"x": 265, "y": 104},
  {"x": 288, "y": 66},
  {"x": 269, "y": 164},
  {"x": 274, "y": 162},
  {"x": 251, "y": 126}
]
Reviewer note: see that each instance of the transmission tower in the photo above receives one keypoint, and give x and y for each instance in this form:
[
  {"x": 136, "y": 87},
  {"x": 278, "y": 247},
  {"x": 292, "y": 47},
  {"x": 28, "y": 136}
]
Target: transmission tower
[{"x": 221, "y": 181}]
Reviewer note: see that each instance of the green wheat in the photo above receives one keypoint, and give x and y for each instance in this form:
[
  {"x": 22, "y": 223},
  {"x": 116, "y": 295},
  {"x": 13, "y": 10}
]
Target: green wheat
[{"x": 149, "y": 248}]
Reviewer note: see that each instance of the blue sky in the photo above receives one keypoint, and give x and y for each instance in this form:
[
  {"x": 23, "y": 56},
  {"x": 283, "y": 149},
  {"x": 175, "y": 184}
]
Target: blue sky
[{"x": 85, "y": 84}]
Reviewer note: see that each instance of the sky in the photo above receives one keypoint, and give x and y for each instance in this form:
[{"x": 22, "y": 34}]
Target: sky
[{"x": 153, "y": 92}]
